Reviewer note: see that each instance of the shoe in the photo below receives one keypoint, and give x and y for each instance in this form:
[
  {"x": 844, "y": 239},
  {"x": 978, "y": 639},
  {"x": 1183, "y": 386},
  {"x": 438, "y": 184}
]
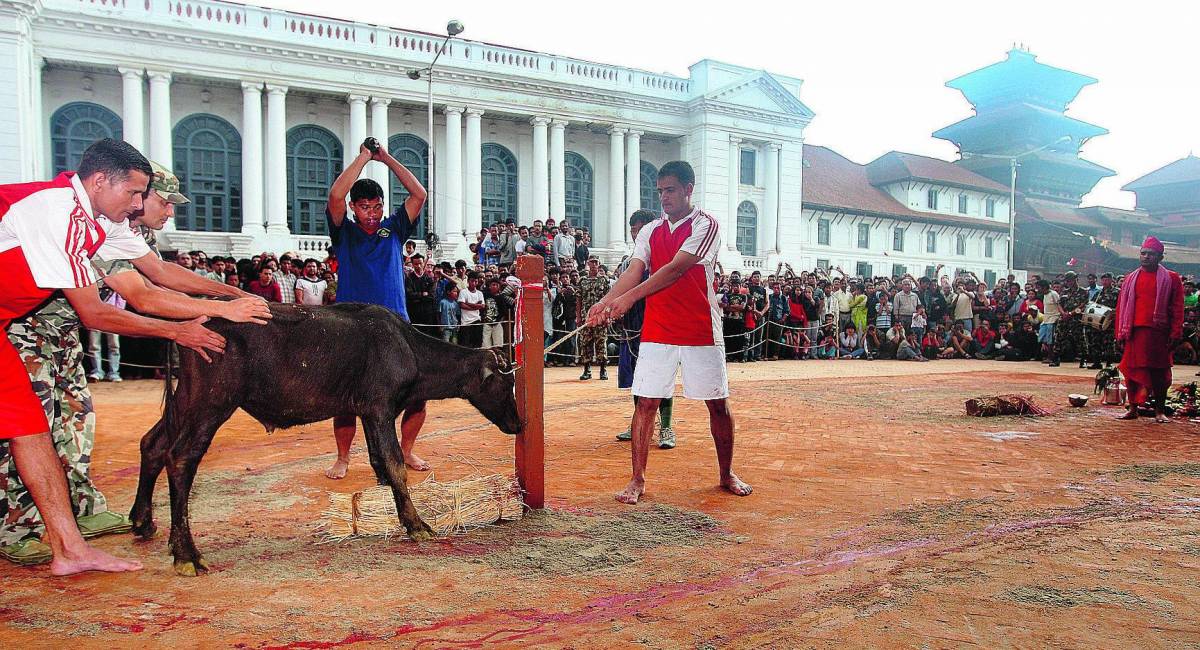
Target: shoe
[
  {"x": 587, "y": 374},
  {"x": 115, "y": 378},
  {"x": 103, "y": 523},
  {"x": 666, "y": 438},
  {"x": 603, "y": 374},
  {"x": 1096, "y": 366},
  {"x": 1053, "y": 364},
  {"x": 95, "y": 377},
  {"x": 982, "y": 357},
  {"x": 625, "y": 436},
  {"x": 27, "y": 553}
]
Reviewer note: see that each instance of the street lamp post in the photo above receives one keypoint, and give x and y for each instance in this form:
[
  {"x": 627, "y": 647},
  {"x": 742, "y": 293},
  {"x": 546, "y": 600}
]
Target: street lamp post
[
  {"x": 453, "y": 28},
  {"x": 1012, "y": 193}
]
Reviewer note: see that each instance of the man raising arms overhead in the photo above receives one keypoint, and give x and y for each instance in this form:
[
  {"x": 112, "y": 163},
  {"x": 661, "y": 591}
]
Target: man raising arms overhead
[
  {"x": 370, "y": 254},
  {"x": 682, "y": 326}
]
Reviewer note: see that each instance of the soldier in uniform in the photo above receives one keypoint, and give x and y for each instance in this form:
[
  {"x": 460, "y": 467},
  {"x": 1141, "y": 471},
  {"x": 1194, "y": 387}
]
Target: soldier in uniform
[
  {"x": 1068, "y": 336},
  {"x": 48, "y": 342},
  {"x": 1102, "y": 344},
  {"x": 593, "y": 341}
]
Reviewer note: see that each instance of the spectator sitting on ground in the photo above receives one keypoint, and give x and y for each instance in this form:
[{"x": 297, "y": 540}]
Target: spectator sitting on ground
[
  {"x": 908, "y": 349},
  {"x": 849, "y": 342}
]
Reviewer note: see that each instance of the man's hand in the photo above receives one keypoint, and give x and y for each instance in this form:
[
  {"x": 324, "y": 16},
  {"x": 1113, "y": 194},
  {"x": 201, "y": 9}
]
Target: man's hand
[
  {"x": 618, "y": 308},
  {"x": 246, "y": 310},
  {"x": 598, "y": 315},
  {"x": 193, "y": 334}
]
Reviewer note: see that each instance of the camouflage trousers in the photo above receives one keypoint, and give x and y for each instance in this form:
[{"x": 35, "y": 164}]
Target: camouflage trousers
[
  {"x": 1101, "y": 346},
  {"x": 54, "y": 359},
  {"x": 1068, "y": 339},
  {"x": 593, "y": 345}
]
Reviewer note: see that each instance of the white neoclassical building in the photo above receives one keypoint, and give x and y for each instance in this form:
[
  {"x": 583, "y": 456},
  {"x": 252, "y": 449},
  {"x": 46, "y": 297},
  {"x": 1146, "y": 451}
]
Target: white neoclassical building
[
  {"x": 901, "y": 213},
  {"x": 257, "y": 110}
]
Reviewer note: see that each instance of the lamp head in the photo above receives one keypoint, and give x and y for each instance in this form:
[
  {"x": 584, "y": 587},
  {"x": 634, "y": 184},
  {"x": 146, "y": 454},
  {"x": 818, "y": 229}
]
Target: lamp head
[
  {"x": 455, "y": 27},
  {"x": 414, "y": 74}
]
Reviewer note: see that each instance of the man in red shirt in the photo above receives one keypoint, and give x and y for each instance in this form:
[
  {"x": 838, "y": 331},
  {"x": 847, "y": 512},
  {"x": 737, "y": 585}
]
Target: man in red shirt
[
  {"x": 682, "y": 326},
  {"x": 49, "y": 231},
  {"x": 1150, "y": 322}
]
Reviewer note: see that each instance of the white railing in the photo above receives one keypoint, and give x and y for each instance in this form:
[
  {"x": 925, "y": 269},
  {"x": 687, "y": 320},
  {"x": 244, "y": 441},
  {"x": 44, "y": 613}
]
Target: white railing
[
  {"x": 376, "y": 41},
  {"x": 311, "y": 245},
  {"x": 754, "y": 263}
]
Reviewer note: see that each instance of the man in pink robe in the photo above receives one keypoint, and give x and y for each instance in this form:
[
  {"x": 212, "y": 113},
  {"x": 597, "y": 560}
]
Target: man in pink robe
[{"x": 1150, "y": 322}]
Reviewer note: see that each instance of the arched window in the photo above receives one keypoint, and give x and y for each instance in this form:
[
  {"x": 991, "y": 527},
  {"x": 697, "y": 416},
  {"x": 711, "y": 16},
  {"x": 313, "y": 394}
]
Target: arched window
[
  {"x": 747, "y": 228},
  {"x": 499, "y": 184},
  {"x": 208, "y": 162},
  {"x": 413, "y": 153},
  {"x": 578, "y": 191},
  {"x": 77, "y": 125},
  {"x": 649, "y": 193},
  {"x": 314, "y": 160}
]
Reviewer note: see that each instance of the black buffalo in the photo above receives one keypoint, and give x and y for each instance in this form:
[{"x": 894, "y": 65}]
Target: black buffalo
[{"x": 310, "y": 364}]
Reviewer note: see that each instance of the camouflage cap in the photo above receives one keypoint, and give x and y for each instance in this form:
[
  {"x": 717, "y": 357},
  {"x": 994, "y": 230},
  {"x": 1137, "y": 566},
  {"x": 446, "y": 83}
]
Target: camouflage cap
[{"x": 166, "y": 184}]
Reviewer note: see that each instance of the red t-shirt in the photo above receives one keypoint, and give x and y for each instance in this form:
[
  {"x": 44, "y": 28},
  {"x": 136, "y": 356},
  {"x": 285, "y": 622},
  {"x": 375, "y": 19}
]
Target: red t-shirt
[{"x": 687, "y": 311}]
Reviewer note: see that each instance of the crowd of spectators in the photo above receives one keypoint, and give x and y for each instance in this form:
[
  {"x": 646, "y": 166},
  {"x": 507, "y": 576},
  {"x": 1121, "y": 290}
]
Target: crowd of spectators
[{"x": 817, "y": 314}]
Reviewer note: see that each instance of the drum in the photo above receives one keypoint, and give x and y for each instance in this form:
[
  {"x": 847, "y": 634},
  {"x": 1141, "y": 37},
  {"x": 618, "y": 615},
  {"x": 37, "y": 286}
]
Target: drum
[{"x": 1097, "y": 316}]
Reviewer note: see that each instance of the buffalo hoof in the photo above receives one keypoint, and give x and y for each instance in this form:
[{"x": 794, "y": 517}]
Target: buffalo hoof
[
  {"x": 422, "y": 533},
  {"x": 191, "y": 568},
  {"x": 145, "y": 529}
]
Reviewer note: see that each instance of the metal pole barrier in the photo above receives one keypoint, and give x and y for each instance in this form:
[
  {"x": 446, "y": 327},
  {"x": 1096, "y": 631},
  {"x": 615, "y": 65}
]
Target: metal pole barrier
[{"x": 530, "y": 450}]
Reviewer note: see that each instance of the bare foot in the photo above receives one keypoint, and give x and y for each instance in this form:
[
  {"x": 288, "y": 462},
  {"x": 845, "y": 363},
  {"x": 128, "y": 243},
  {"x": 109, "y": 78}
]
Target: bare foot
[
  {"x": 416, "y": 463},
  {"x": 338, "y": 470},
  {"x": 89, "y": 558},
  {"x": 1161, "y": 419},
  {"x": 735, "y": 485},
  {"x": 632, "y": 492},
  {"x": 1129, "y": 415}
]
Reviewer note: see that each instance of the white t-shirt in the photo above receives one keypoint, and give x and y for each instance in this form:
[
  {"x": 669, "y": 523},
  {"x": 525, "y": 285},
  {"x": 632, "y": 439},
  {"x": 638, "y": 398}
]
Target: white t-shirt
[
  {"x": 1052, "y": 311},
  {"x": 312, "y": 292},
  {"x": 465, "y": 297},
  {"x": 59, "y": 232}
]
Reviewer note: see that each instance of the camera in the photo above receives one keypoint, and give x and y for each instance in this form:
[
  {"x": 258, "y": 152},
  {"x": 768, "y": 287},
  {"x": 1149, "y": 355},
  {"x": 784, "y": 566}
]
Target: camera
[{"x": 372, "y": 145}]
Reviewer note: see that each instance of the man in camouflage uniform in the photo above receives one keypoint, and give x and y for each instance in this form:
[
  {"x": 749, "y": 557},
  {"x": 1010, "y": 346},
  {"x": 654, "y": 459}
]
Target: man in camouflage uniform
[
  {"x": 593, "y": 341},
  {"x": 1068, "y": 335},
  {"x": 48, "y": 341},
  {"x": 1102, "y": 345}
]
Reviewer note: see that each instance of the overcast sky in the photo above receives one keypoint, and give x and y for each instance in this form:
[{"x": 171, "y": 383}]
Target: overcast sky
[{"x": 875, "y": 72}]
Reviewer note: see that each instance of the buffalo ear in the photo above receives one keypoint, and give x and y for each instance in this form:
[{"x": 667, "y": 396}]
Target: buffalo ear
[{"x": 487, "y": 371}]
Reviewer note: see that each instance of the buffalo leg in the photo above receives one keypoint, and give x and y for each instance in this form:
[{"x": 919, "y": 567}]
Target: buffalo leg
[
  {"x": 183, "y": 458},
  {"x": 388, "y": 461},
  {"x": 154, "y": 456}
]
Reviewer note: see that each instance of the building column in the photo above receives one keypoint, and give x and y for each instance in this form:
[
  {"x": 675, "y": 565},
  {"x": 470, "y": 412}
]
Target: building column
[
  {"x": 252, "y": 159},
  {"x": 473, "y": 176},
  {"x": 730, "y": 234},
  {"x": 616, "y": 187},
  {"x": 358, "y": 126},
  {"x": 41, "y": 163},
  {"x": 450, "y": 201},
  {"x": 133, "y": 116},
  {"x": 380, "y": 131},
  {"x": 276, "y": 166},
  {"x": 160, "y": 124},
  {"x": 541, "y": 167},
  {"x": 633, "y": 177},
  {"x": 558, "y": 164},
  {"x": 769, "y": 227}
]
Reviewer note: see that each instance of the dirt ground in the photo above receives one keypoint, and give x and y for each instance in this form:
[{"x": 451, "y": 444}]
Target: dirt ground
[{"x": 882, "y": 516}]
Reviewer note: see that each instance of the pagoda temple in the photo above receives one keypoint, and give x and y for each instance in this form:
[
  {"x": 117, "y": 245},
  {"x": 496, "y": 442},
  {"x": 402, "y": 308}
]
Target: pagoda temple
[{"x": 1020, "y": 111}]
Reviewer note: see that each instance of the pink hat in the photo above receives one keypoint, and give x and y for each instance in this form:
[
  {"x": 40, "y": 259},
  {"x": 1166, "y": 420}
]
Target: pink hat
[{"x": 1153, "y": 244}]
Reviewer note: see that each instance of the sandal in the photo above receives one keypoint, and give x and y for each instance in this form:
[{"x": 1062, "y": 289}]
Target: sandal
[
  {"x": 27, "y": 553},
  {"x": 103, "y": 523}
]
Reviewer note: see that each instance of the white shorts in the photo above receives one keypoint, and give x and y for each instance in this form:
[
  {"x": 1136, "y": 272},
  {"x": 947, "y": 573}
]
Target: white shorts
[{"x": 704, "y": 375}]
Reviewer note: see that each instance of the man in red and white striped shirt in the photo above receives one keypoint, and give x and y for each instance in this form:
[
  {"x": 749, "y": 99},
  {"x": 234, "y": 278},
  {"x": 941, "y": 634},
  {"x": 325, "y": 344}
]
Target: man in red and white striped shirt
[
  {"x": 48, "y": 234},
  {"x": 682, "y": 326}
]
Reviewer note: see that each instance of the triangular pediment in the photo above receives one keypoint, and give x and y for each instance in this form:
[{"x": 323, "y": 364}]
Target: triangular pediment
[{"x": 758, "y": 90}]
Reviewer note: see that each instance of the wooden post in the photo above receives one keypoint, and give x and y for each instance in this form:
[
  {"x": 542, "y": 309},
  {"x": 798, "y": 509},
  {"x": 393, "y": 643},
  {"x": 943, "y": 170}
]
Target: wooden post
[{"x": 530, "y": 451}]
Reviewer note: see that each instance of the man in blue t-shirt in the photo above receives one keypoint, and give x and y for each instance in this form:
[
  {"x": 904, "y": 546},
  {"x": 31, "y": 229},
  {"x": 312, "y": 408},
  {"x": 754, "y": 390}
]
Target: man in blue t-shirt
[{"x": 370, "y": 254}]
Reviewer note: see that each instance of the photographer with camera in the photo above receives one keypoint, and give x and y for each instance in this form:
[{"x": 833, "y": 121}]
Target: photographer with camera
[{"x": 370, "y": 254}]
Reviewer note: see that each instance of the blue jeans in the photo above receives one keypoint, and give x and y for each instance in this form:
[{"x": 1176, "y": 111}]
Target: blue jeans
[
  {"x": 853, "y": 354},
  {"x": 968, "y": 324},
  {"x": 114, "y": 353}
]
